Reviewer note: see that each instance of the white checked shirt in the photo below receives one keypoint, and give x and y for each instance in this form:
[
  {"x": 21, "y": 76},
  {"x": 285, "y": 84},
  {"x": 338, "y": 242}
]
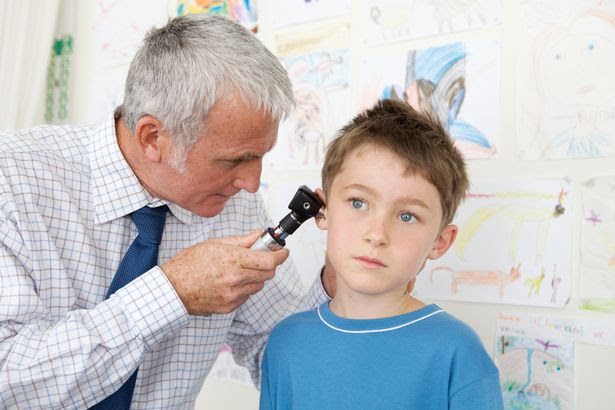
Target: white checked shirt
[{"x": 66, "y": 193}]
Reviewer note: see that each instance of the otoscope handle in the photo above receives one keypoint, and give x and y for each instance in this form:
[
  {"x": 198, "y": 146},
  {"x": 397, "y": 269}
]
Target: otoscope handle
[{"x": 268, "y": 242}]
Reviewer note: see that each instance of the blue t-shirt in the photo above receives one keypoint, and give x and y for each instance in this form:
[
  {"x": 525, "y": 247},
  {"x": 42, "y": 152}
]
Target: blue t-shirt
[{"x": 424, "y": 360}]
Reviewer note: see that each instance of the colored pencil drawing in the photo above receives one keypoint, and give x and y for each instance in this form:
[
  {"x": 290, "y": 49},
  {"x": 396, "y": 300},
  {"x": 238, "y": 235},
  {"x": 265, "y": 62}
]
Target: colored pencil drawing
[
  {"x": 519, "y": 215},
  {"x": 597, "y": 284},
  {"x": 480, "y": 277},
  {"x": 242, "y": 11},
  {"x": 535, "y": 373},
  {"x": 513, "y": 246},
  {"x": 321, "y": 91},
  {"x": 566, "y": 92},
  {"x": 395, "y": 20},
  {"x": 445, "y": 81}
]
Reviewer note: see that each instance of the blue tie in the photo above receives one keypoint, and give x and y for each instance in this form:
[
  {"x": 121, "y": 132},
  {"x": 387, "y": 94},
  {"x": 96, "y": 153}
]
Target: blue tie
[{"x": 141, "y": 257}]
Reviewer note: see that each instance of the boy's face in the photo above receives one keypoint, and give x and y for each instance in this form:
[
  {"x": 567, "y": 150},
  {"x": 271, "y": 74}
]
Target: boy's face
[{"x": 382, "y": 222}]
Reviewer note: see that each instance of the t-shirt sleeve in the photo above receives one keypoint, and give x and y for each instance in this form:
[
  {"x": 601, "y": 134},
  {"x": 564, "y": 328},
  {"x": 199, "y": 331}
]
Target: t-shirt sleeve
[{"x": 483, "y": 394}]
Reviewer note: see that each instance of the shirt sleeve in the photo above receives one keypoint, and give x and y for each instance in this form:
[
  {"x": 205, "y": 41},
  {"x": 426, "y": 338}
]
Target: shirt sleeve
[
  {"x": 52, "y": 360},
  {"x": 483, "y": 394}
]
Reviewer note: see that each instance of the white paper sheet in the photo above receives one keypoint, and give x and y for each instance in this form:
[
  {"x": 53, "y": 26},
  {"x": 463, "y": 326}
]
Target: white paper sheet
[
  {"x": 565, "y": 81},
  {"x": 597, "y": 271},
  {"x": 392, "y": 20}
]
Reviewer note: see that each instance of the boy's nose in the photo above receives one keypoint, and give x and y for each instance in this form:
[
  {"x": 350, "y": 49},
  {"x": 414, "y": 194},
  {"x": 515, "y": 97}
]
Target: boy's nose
[{"x": 376, "y": 233}]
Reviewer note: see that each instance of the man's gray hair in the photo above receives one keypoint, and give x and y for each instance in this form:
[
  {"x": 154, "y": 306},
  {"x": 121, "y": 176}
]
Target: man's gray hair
[{"x": 183, "y": 68}]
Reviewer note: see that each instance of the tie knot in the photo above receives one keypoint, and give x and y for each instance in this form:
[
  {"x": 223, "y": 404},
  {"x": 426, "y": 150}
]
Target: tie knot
[{"x": 150, "y": 222}]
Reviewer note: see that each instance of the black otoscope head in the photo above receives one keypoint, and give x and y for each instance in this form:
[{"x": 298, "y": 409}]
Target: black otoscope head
[{"x": 304, "y": 205}]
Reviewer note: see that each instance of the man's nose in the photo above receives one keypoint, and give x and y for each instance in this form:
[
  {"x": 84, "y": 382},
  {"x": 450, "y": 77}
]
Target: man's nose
[{"x": 249, "y": 175}]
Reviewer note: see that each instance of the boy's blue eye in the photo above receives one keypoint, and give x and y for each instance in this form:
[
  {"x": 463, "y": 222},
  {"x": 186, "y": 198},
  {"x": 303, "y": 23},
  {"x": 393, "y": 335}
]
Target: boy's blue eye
[
  {"x": 357, "y": 203},
  {"x": 406, "y": 217}
]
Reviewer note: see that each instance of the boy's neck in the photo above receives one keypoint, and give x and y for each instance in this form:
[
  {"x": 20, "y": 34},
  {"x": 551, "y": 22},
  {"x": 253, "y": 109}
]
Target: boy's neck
[{"x": 357, "y": 306}]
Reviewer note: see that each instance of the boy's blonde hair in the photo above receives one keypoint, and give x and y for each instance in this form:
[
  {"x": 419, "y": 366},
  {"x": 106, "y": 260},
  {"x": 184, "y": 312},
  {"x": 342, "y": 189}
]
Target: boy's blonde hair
[{"x": 419, "y": 140}]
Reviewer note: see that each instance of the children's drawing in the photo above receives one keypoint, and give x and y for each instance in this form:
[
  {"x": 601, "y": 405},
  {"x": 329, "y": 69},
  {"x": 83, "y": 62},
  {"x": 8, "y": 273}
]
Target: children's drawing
[
  {"x": 456, "y": 83},
  {"x": 565, "y": 89},
  {"x": 119, "y": 27},
  {"x": 513, "y": 246},
  {"x": 534, "y": 283},
  {"x": 242, "y": 11},
  {"x": 535, "y": 373},
  {"x": 291, "y": 12},
  {"x": 322, "y": 94},
  {"x": 477, "y": 277},
  {"x": 597, "y": 283},
  {"x": 394, "y": 20}
]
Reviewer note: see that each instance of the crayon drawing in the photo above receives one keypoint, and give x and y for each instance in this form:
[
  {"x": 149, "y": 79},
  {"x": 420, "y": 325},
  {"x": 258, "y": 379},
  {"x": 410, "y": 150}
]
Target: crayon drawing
[
  {"x": 322, "y": 95},
  {"x": 597, "y": 273},
  {"x": 513, "y": 246},
  {"x": 535, "y": 373},
  {"x": 458, "y": 83},
  {"x": 565, "y": 85},
  {"x": 241, "y": 11},
  {"x": 394, "y": 20}
]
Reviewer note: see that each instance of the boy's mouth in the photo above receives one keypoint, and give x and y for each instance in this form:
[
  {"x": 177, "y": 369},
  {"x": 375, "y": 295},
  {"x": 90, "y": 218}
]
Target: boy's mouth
[{"x": 370, "y": 262}]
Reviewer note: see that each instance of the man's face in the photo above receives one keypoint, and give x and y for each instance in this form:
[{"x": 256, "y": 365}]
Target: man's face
[
  {"x": 225, "y": 159},
  {"x": 382, "y": 223}
]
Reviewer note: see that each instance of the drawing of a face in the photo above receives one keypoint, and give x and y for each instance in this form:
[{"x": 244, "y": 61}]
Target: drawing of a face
[{"x": 577, "y": 62}]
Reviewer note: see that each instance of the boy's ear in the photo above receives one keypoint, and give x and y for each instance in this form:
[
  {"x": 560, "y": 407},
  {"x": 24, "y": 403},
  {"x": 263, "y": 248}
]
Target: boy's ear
[
  {"x": 444, "y": 241},
  {"x": 321, "y": 218}
]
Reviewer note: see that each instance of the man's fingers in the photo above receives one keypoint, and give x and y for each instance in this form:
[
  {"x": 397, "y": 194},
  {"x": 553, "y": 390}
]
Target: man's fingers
[
  {"x": 262, "y": 260},
  {"x": 249, "y": 276},
  {"x": 244, "y": 241}
]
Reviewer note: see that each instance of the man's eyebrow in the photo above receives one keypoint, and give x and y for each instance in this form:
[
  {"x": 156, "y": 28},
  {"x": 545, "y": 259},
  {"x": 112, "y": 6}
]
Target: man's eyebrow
[
  {"x": 243, "y": 157},
  {"x": 402, "y": 200}
]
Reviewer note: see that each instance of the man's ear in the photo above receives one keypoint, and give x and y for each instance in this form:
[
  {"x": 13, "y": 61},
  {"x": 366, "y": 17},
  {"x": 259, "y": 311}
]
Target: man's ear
[
  {"x": 151, "y": 139},
  {"x": 321, "y": 218},
  {"x": 444, "y": 241}
]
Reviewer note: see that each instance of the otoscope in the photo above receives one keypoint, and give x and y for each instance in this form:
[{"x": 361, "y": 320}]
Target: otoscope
[{"x": 304, "y": 205}]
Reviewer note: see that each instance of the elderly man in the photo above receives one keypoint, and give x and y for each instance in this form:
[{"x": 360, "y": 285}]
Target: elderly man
[{"x": 124, "y": 256}]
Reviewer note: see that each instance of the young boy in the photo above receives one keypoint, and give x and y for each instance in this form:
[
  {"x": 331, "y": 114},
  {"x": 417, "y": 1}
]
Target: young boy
[{"x": 392, "y": 181}]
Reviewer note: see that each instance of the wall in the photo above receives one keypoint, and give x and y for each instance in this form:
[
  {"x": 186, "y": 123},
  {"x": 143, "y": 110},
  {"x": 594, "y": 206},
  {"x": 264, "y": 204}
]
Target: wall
[{"x": 593, "y": 364}]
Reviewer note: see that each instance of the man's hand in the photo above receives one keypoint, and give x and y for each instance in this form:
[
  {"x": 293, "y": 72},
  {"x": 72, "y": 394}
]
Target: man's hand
[{"x": 219, "y": 275}]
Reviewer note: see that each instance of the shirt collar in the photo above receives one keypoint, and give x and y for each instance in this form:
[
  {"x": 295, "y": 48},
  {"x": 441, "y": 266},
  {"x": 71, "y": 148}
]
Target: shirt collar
[{"x": 116, "y": 190}]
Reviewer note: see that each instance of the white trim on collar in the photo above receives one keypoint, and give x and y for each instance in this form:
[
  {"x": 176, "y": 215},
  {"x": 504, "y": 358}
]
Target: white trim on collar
[{"x": 322, "y": 319}]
